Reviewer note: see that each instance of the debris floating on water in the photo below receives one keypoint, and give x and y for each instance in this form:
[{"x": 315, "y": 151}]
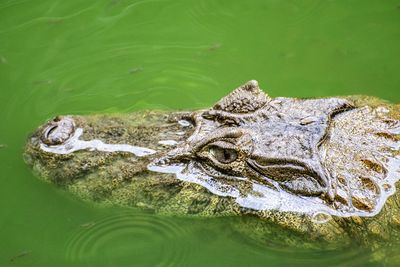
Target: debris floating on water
[
  {"x": 20, "y": 255},
  {"x": 135, "y": 70},
  {"x": 3, "y": 60}
]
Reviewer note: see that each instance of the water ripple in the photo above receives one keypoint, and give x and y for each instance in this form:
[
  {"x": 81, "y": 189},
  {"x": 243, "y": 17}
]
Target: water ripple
[
  {"x": 202, "y": 17},
  {"x": 304, "y": 14},
  {"x": 129, "y": 237},
  {"x": 9, "y": 4},
  {"x": 47, "y": 19},
  {"x": 126, "y": 10}
]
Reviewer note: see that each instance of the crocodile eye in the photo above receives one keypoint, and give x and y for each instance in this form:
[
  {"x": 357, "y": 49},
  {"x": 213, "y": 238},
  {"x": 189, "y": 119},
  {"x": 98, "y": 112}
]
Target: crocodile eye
[
  {"x": 223, "y": 155},
  {"x": 58, "y": 131}
]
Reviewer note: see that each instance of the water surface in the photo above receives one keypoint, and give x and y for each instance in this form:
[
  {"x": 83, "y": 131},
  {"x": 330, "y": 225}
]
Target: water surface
[{"x": 82, "y": 57}]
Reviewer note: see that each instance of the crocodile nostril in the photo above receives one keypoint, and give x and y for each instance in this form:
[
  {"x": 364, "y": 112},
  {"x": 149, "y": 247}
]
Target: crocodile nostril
[{"x": 58, "y": 130}]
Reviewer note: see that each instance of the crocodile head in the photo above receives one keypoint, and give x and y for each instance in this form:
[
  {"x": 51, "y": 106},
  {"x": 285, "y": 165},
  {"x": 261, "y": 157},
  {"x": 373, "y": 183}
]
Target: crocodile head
[
  {"x": 247, "y": 136},
  {"x": 290, "y": 161}
]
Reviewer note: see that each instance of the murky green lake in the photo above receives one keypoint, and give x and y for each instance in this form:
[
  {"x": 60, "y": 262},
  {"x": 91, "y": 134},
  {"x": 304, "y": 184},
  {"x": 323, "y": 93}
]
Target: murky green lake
[{"x": 82, "y": 57}]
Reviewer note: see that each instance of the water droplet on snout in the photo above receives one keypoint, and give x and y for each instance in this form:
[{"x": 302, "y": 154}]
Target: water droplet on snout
[
  {"x": 308, "y": 120},
  {"x": 321, "y": 217},
  {"x": 382, "y": 110},
  {"x": 184, "y": 123},
  {"x": 387, "y": 187},
  {"x": 168, "y": 142}
]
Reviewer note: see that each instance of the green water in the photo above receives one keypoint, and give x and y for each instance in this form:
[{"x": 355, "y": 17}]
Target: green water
[{"x": 80, "y": 57}]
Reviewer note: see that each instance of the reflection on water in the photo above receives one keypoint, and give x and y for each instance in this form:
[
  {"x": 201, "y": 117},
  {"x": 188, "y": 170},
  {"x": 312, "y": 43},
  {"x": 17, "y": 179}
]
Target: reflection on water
[{"x": 70, "y": 57}]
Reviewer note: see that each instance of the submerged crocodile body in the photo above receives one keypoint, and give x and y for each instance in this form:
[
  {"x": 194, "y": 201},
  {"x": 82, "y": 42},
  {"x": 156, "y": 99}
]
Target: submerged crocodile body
[{"x": 323, "y": 169}]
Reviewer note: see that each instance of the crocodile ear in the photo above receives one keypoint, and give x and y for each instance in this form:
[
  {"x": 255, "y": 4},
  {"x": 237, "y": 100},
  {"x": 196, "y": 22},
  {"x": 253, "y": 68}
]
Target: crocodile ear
[{"x": 247, "y": 98}]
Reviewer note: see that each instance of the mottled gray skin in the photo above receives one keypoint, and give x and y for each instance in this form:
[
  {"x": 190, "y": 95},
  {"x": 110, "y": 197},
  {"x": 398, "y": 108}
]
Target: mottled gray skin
[
  {"x": 329, "y": 149},
  {"x": 268, "y": 140},
  {"x": 330, "y": 164}
]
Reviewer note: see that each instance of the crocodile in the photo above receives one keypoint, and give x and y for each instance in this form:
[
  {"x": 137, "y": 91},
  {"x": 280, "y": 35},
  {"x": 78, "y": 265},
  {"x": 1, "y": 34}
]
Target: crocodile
[{"x": 322, "y": 171}]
